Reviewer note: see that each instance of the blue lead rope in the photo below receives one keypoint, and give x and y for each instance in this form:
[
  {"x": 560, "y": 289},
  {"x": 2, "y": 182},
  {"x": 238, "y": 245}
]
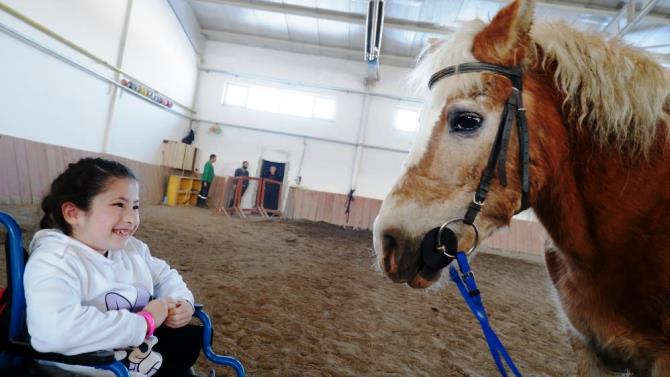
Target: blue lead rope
[{"x": 465, "y": 281}]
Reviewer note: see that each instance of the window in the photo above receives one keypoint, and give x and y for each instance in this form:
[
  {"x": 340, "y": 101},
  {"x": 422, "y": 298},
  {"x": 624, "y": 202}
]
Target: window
[
  {"x": 235, "y": 95},
  {"x": 298, "y": 104},
  {"x": 264, "y": 99},
  {"x": 324, "y": 108},
  {"x": 288, "y": 102},
  {"x": 407, "y": 120}
]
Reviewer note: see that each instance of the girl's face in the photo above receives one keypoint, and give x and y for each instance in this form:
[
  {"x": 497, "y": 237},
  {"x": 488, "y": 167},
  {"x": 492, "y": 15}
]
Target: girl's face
[{"x": 112, "y": 218}]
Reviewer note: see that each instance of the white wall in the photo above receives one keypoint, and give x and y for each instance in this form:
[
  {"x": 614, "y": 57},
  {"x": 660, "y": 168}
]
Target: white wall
[
  {"x": 47, "y": 100},
  {"x": 327, "y": 166}
]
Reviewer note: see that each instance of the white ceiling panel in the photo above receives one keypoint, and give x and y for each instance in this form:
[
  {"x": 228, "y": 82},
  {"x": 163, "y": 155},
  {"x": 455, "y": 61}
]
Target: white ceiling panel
[
  {"x": 271, "y": 24},
  {"x": 658, "y": 41},
  {"x": 576, "y": 18},
  {"x": 648, "y": 34},
  {"x": 333, "y": 33},
  {"x": 304, "y": 3},
  {"x": 479, "y": 9},
  {"x": 216, "y": 16},
  {"x": 443, "y": 12},
  {"x": 407, "y": 9},
  {"x": 337, "y": 27},
  {"x": 302, "y": 29},
  {"x": 397, "y": 42},
  {"x": 357, "y": 38},
  {"x": 359, "y": 7}
]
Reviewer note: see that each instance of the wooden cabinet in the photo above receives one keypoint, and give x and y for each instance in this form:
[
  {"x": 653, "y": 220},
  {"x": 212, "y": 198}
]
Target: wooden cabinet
[
  {"x": 182, "y": 190},
  {"x": 178, "y": 155}
]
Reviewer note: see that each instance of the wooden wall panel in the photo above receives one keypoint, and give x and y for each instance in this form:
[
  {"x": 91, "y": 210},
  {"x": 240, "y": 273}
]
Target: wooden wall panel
[
  {"x": 329, "y": 207},
  {"x": 11, "y": 186},
  {"x": 521, "y": 235},
  {"x": 22, "y": 166},
  {"x": 27, "y": 168},
  {"x": 36, "y": 171}
]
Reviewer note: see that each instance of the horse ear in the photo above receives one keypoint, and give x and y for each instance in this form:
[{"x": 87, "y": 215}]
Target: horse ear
[{"x": 505, "y": 39}]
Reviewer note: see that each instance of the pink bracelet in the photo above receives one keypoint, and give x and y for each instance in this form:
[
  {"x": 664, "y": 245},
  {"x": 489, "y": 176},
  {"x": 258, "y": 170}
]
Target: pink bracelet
[{"x": 151, "y": 325}]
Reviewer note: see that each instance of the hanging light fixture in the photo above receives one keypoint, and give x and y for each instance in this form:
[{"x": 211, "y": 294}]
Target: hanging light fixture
[{"x": 373, "y": 32}]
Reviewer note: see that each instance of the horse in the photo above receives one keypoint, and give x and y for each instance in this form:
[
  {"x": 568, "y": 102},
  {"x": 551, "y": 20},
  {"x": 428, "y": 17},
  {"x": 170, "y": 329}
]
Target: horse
[{"x": 590, "y": 154}]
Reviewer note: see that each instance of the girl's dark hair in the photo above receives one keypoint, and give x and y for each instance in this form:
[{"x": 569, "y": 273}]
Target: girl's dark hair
[{"x": 78, "y": 184}]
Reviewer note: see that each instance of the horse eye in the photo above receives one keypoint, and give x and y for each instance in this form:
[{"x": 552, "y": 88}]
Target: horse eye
[{"x": 465, "y": 122}]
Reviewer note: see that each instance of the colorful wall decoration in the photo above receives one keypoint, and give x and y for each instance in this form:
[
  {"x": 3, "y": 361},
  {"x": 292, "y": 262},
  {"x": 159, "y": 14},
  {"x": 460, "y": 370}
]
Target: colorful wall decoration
[{"x": 146, "y": 92}]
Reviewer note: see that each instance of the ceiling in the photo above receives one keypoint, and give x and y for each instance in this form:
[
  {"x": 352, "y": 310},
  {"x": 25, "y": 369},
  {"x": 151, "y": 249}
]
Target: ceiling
[{"x": 337, "y": 28}]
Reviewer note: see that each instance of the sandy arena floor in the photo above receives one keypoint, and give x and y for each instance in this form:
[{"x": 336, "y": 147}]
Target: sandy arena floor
[{"x": 295, "y": 298}]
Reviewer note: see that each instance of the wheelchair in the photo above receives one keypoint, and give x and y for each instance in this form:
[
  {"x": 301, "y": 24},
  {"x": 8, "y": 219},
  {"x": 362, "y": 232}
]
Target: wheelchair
[{"x": 15, "y": 349}]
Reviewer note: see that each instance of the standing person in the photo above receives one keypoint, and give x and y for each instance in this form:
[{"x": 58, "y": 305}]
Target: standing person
[
  {"x": 206, "y": 181},
  {"x": 90, "y": 285},
  {"x": 271, "y": 190},
  {"x": 240, "y": 172}
]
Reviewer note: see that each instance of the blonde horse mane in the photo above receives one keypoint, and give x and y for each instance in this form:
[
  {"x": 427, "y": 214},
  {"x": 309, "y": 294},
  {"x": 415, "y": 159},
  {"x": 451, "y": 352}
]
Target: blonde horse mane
[{"x": 616, "y": 91}]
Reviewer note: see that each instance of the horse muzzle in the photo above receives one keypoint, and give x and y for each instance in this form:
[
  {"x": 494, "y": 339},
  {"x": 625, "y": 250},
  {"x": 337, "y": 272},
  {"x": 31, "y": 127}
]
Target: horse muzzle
[{"x": 417, "y": 261}]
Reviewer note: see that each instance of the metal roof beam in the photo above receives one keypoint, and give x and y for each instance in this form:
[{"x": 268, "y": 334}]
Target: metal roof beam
[
  {"x": 333, "y": 15},
  {"x": 646, "y": 8},
  {"x": 665, "y": 45},
  {"x": 284, "y": 45},
  {"x": 616, "y": 20}
]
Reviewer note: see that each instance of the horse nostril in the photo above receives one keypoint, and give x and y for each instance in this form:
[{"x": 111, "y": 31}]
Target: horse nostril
[
  {"x": 390, "y": 248},
  {"x": 389, "y": 243}
]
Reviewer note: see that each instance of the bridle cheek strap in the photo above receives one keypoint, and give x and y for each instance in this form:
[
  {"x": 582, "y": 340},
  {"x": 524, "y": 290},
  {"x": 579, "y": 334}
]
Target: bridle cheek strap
[
  {"x": 498, "y": 156},
  {"x": 435, "y": 258}
]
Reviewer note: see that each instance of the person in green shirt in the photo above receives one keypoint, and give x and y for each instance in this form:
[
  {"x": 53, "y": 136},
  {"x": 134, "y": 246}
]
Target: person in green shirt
[{"x": 206, "y": 179}]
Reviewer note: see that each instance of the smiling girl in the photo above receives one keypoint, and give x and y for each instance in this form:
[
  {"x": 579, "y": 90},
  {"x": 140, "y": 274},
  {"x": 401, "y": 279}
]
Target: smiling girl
[{"x": 90, "y": 285}]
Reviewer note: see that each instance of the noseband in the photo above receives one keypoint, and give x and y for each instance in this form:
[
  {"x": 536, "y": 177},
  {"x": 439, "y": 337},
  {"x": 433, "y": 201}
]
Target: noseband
[{"x": 497, "y": 157}]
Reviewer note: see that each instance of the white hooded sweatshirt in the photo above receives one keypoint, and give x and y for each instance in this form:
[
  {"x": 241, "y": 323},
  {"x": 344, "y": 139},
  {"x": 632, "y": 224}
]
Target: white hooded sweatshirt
[{"x": 81, "y": 301}]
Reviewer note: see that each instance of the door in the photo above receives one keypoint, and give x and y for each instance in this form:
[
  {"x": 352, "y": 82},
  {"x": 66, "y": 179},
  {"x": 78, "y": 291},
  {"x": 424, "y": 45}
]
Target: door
[{"x": 272, "y": 190}]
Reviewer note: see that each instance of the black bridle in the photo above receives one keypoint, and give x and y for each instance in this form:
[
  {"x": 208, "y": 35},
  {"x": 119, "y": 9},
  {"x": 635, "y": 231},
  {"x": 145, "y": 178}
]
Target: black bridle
[
  {"x": 442, "y": 239},
  {"x": 440, "y": 246}
]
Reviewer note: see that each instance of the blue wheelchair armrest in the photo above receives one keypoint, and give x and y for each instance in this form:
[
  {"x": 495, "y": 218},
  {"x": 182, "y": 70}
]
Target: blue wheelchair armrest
[{"x": 208, "y": 333}]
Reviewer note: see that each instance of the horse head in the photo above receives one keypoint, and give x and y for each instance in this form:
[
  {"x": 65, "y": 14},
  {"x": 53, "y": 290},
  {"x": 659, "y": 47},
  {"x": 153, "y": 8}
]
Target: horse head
[
  {"x": 573, "y": 125},
  {"x": 459, "y": 125}
]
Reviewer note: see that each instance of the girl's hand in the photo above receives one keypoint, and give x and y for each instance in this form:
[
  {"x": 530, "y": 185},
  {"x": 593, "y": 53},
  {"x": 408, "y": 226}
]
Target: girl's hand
[
  {"x": 179, "y": 314},
  {"x": 159, "y": 310}
]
